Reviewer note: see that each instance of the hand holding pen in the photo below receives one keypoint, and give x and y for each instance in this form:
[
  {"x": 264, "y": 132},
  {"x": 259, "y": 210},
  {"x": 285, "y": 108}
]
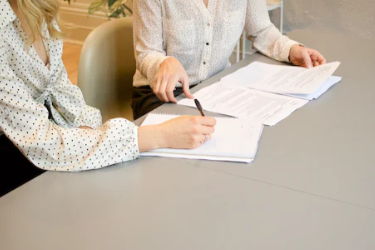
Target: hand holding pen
[{"x": 199, "y": 107}]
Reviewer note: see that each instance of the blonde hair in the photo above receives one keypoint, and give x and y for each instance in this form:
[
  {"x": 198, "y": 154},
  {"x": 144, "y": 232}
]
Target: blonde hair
[{"x": 37, "y": 11}]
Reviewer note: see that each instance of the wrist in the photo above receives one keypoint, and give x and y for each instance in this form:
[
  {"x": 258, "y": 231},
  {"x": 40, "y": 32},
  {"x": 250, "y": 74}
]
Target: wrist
[
  {"x": 290, "y": 50},
  {"x": 161, "y": 136},
  {"x": 151, "y": 137},
  {"x": 293, "y": 47},
  {"x": 168, "y": 60}
]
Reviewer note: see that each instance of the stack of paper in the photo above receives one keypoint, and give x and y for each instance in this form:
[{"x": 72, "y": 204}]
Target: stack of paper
[
  {"x": 287, "y": 80},
  {"x": 265, "y": 92},
  {"x": 245, "y": 103},
  {"x": 233, "y": 140}
]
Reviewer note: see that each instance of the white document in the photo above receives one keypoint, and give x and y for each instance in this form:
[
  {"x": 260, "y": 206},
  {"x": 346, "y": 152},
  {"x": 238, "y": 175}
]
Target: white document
[
  {"x": 327, "y": 85},
  {"x": 268, "y": 108},
  {"x": 233, "y": 140},
  {"x": 280, "y": 78}
]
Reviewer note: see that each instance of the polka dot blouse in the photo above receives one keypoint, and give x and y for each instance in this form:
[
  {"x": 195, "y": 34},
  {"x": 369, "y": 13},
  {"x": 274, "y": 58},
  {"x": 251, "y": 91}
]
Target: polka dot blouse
[
  {"x": 40, "y": 110},
  {"x": 201, "y": 38}
]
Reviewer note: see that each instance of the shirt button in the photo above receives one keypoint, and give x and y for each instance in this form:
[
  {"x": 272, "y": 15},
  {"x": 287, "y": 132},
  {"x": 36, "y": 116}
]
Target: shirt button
[
  {"x": 204, "y": 63},
  {"x": 207, "y": 44}
]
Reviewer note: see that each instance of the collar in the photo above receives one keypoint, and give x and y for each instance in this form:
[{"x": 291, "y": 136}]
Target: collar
[{"x": 7, "y": 14}]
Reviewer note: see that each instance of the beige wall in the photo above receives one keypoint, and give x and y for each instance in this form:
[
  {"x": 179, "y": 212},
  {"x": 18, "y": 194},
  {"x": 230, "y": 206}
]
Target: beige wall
[
  {"x": 351, "y": 17},
  {"x": 77, "y": 24}
]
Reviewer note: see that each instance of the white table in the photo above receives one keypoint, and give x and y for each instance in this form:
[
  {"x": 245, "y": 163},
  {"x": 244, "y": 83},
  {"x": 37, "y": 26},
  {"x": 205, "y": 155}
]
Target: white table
[{"x": 310, "y": 187}]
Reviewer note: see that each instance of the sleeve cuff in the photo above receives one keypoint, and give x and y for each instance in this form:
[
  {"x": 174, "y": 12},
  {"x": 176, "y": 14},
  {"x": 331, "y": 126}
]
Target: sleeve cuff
[
  {"x": 135, "y": 132},
  {"x": 123, "y": 134}
]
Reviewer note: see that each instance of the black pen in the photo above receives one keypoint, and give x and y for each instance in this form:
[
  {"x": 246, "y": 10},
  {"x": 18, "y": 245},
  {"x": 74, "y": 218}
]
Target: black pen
[{"x": 199, "y": 106}]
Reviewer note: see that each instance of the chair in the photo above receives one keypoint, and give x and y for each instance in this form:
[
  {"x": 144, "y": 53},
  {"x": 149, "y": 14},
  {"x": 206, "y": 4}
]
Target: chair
[{"x": 106, "y": 68}]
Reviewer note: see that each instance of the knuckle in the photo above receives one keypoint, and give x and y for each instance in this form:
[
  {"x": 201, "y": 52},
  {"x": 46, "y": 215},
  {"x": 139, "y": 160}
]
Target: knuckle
[
  {"x": 167, "y": 75},
  {"x": 195, "y": 129},
  {"x": 192, "y": 140}
]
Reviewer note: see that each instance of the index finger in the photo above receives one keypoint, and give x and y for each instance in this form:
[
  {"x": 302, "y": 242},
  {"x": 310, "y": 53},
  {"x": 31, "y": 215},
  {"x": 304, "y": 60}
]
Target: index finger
[
  {"x": 321, "y": 59},
  {"x": 170, "y": 87},
  {"x": 316, "y": 56},
  {"x": 207, "y": 121},
  {"x": 207, "y": 130},
  {"x": 185, "y": 87},
  {"x": 306, "y": 58}
]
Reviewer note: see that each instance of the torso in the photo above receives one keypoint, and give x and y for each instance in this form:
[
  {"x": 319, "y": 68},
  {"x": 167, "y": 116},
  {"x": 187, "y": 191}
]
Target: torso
[
  {"x": 41, "y": 50},
  {"x": 47, "y": 85},
  {"x": 201, "y": 34}
]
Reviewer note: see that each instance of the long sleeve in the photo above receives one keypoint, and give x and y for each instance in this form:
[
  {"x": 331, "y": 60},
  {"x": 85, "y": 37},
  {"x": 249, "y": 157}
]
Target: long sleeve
[
  {"x": 51, "y": 147},
  {"x": 88, "y": 116},
  {"x": 148, "y": 37},
  {"x": 63, "y": 99},
  {"x": 266, "y": 38}
]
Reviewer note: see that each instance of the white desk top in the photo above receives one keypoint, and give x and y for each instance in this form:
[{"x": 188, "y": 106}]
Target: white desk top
[
  {"x": 313, "y": 191},
  {"x": 327, "y": 147}
]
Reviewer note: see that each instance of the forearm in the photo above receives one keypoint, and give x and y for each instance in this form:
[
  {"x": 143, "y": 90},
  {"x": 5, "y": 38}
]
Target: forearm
[
  {"x": 148, "y": 37},
  {"x": 150, "y": 138},
  {"x": 51, "y": 147},
  {"x": 148, "y": 64},
  {"x": 266, "y": 38},
  {"x": 271, "y": 43},
  {"x": 54, "y": 148}
]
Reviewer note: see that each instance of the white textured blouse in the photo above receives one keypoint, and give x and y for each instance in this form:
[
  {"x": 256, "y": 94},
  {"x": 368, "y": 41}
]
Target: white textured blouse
[
  {"x": 201, "y": 38},
  {"x": 41, "y": 110}
]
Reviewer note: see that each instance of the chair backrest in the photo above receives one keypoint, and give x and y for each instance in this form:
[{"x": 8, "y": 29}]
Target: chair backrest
[{"x": 106, "y": 68}]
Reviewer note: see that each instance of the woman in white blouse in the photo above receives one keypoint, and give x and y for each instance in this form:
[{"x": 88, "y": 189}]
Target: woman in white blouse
[
  {"x": 46, "y": 117},
  {"x": 181, "y": 43}
]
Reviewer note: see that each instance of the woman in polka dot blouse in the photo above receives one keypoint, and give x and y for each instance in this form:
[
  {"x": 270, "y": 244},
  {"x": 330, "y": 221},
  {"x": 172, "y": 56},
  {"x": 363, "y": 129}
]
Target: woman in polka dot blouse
[
  {"x": 44, "y": 117},
  {"x": 181, "y": 43}
]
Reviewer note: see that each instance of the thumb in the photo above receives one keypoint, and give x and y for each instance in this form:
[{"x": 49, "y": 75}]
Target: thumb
[
  {"x": 185, "y": 87},
  {"x": 306, "y": 59}
]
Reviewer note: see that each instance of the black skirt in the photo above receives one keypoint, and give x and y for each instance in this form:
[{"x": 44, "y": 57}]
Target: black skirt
[
  {"x": 144, "y": 100},
  {"x": 15, "y": 168}
]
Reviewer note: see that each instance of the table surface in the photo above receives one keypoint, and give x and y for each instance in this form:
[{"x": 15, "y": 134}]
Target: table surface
[{"x": 310, "y": 186}]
